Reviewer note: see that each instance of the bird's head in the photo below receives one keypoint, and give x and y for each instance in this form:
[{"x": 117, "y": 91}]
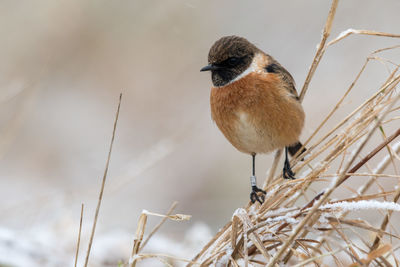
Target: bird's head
[{"x": 228, "y": 58}]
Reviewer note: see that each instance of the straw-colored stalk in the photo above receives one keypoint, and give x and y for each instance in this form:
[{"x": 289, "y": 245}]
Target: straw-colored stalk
[{"x": 282, "y": 231}]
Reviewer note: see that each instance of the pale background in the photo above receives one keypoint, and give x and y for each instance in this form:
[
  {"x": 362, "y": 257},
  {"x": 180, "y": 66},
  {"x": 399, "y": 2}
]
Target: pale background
[{"x": 64, "y": 63}]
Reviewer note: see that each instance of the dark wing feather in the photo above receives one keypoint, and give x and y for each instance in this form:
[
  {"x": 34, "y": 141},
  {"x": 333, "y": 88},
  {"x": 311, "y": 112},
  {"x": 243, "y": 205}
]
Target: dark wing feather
[{"x": 275, "y": 67}]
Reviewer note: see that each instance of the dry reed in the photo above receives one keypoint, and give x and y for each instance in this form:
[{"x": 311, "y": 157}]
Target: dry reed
[
  {"x": 282, "y": 231},
  {"x": 290, "y": 228},
  {"x": 103, "y": 182}
]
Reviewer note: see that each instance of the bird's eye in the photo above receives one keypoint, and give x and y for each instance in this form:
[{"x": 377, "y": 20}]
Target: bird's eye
[{"x": 233, "y": 61}]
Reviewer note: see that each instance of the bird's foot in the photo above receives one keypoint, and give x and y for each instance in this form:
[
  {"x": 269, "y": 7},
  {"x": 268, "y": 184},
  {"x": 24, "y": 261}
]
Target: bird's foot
[
  {"x": 254, "y": 195},
  {"x": 287, "y": 171}
]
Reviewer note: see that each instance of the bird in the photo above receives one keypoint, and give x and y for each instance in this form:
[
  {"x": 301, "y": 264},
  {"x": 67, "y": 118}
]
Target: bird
[{"x": 254, "y": 103}]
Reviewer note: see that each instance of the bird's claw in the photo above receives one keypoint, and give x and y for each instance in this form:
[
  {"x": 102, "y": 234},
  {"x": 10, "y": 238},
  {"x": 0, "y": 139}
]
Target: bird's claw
[
  {"x": 254, "y": 195},
  {"x": 287, "y": 171}
]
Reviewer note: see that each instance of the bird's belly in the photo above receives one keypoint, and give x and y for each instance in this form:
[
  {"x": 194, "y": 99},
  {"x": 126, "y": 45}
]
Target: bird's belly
[
  {"x": 250, "y": 137},
  {"x": 256, "y": 115}
]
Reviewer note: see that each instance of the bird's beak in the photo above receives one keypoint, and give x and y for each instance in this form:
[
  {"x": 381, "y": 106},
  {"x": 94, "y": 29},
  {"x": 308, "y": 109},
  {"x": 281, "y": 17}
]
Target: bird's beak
[{"x": 210, "y": 67}]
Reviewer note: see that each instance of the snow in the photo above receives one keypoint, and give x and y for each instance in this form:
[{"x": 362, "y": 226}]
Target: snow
[
  {"x": 223, "y": 261},
  {"x": 362, "y": 205},
  {"x": 323, "y": 221},
  {"x": 286, "y": 218},
  {"x": 305, "y": 173},
  {"x": 345, "y": 33},
  {"x": 30, "y": 250},
  {"x": 277, "y": 211},
  {"x": 133, "y": 258},
  {"x": 306, "y": 157},
  {"x": 229, "y": 250},
  {"x": 333, "y": 181},
  {"x": 294, "y": 196},
  {"x": 274, "y": 189},
  {"x": 239, "y": 211},
  {"x": 242, "y": 263},
  {"x": 252, "y": 210},
  {"x": 145, "y": 212},
  {"x": 50, "y": 246}
]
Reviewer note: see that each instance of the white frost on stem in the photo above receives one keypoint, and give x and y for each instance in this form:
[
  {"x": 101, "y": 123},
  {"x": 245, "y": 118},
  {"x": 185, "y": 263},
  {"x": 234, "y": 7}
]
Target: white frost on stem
[{"x": 362, "y": 205}]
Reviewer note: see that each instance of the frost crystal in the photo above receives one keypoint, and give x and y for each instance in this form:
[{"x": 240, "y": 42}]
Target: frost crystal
[
  {"x": 363, "y": 205},
  {"x": 345, "y": 33}
]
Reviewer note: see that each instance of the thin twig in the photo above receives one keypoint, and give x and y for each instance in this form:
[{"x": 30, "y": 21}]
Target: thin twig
[
  {"x": 138, "y": 239},
  {"x": 272, "y": 170},
  {"x": 103, "y": 183},
  {"x": 338, "y": 104},
  {"x": 370, "y": 155},
  {"x": 79, "y": 237},
  {"x": 348, "y": 32},
  {"x": 317, "y": 257},
  {"x": 329, "y": 191},
  {"x": 385, "y": 221},
  {"x": 320, "y": 50},
  {"x": 155, "y": 229},
  {"x": 211, "y": 242},
  {"x": 160, "y": 256}
]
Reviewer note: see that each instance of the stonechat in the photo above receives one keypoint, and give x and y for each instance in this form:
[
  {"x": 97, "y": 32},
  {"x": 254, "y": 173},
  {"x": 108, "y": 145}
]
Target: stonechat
[{"x": 254, "y": 102}]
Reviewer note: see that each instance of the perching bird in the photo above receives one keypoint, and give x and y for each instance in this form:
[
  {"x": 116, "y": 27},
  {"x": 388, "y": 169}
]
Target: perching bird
[{"x": 254, "y": 102}]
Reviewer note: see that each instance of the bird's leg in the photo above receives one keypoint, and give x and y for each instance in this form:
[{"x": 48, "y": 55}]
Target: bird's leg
[
  {"x": 254, "y": 189},
  {"x": 287, "y": 170}
]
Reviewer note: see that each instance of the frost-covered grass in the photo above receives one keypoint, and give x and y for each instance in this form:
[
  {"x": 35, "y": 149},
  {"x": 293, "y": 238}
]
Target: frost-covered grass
[
  {"x": 357, "y": 161},
  {"x": 297, "y": 225},
  {"x": 51, "y": 246}
]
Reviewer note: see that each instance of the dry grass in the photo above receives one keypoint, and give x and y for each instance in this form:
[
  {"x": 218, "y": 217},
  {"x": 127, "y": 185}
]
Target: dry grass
[
  {"x": 299, "y": 226},
  {"x": 281, "y": 230},
  {"x": 103, "y": 183},
  {"x": 78, "y": 242}
]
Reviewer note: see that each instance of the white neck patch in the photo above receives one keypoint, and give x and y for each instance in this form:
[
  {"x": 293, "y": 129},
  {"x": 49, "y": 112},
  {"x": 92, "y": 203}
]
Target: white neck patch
[{"x": 255, "y": 66}]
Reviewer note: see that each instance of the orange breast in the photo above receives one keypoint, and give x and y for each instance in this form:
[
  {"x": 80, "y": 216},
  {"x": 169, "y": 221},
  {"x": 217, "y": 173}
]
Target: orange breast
[{"x": 256, "y": 113}]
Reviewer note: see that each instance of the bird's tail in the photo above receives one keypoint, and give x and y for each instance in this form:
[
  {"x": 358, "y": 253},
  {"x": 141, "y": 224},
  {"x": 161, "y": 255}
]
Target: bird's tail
[{"x": 296, "y": 147}]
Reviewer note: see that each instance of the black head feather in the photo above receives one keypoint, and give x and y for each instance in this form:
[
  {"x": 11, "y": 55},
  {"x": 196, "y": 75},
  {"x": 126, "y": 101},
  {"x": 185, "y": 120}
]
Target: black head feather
[{"x": 229, "y": 57}]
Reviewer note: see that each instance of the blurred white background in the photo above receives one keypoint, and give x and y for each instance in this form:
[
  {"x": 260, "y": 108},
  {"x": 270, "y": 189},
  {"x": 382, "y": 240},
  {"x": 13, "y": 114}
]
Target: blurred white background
[{"x": 64, "y": 63}]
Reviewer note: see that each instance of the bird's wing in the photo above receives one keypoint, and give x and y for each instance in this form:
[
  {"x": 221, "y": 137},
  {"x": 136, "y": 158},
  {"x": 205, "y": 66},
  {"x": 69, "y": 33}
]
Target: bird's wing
[{"x": 275, "y": 67}]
